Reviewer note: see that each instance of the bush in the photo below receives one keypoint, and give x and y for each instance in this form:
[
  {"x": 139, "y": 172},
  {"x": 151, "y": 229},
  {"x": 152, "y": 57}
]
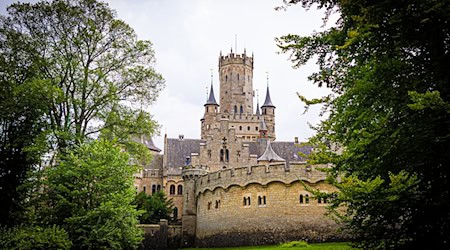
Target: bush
[
  {"x": 295, "y": 244},
  {"x": 25, "y": 237}
]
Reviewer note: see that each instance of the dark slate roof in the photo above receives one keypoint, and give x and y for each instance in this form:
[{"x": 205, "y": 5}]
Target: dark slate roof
[
  {"x": 270, "y": 155},
  {"x": 268, "y": 101},
  {"x": 157, "y": 162},
  {"x": 147, "y": 141},
  {"x": 257, "y": 109},
  {"x": 262, "y": 125},
  {"x": 177, "y": 151},
  {"x": 286, "y": 150},
  {"x": 211, "y": 100}
]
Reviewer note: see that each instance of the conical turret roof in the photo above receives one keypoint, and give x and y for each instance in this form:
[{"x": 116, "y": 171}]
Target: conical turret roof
[
  {"x": 211, "y": 100},
  {"x": 270, "y": 155},
  {"x": 257, "y": 109},
  {"x": 268, "y": 101},
  {"x": 262, "y": 125}
]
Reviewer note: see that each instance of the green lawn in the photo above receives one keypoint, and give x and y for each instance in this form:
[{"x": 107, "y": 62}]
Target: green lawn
[{"x": 314, "y": 246}]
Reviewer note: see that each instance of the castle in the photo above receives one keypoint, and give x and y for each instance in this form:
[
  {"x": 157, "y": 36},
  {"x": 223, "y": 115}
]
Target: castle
[{"x": 237, "y": 185}]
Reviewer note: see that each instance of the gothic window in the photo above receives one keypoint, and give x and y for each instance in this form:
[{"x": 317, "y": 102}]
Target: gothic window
[
  {"x": 235, "y": 109},
  {"x": 172, "y": 189},
  {"x": 158, "y": 188},
  {"x": 175, "y": 213},
  {"x": 221, "y": 155},
  {"x": 153, "y": 188},
  {"x": 301, "y": 199},
  {"x": 227, "y": 158},
  {"x": 242, "y": 109},
  {"x": 180, "y": 190}
]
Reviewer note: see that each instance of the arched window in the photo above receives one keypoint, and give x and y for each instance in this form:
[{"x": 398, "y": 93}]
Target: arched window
[
  {"x": 158, "y": 188},
  {"x": 301, "y": 199},
  {"x": 180, "y": 190},
  {"x": 306, "y": 198},
  {"x": 221, "y": 155},
  {"x": 240, "y": 127},
  {"x": 226, "y": 78},
  {"x": 209, "y": 205},
  {"x": 144, "y": 188},
  {"x": 227, "y": 158},
  {"x": 175, "y": 213},
  {"x": 248, "y": 128},
  {"x": 256, "y": 128},
  {"x": 153, "y": 188},
  {"x": 235, "y": 109},
  {"x": 172, "y": 189},
  {"x": 242, "y": 109}
]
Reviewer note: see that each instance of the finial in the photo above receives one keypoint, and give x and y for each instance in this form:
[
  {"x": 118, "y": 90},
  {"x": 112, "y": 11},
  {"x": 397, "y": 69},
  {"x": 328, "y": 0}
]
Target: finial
[
  {"x": 245, "y": 51},
  {"x": 231, "y": 49},
  {"x": 206, "y": 93},
  {"x": 211, "y": 70},
  {"x": 267, "y": 74},
  {"x": 235, "y": 42}
]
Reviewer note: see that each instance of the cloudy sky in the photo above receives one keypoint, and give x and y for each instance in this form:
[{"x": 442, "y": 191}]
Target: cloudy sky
[{"x": 188, "y": 37}]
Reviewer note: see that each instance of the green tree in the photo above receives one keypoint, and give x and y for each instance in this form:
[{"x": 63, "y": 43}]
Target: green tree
[
  {"x": 89, "y": 194},
  {"x": 387, "y": 64},
  {"x": 94, "y": 59},
  {"x": 155, "y": 207}
]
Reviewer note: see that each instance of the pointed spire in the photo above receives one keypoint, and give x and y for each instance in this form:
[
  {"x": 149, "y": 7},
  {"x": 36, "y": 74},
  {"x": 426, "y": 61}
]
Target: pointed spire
[
  {"x": 258, "y": 113},
  {"x": 211, "y": 100},
  {"x": 262, "y": 125},
  {"x": 268, "y": 101},
  {"x": 270, "y": 155}
]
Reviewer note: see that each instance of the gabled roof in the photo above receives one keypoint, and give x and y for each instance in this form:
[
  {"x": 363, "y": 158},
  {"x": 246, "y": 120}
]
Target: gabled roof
[
  {"x": 268, "y": 101},
  {"x": 270, "y": 155},
  {"x": 211, "y": 100}
]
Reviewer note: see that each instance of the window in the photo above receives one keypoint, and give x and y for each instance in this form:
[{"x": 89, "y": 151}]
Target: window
[
  {"x": 144, "y": 188},
  {"x": 175, "y": 213},
  {"x": 158, "y": 188},
  {"x": 153, "y": 188},
  {"x": 227, "y": 155},
  {"x": 301, "y": 199},
  {"x": 172, "y": 189},
  {"x": 217, "y": 204},
  {"x": 235, "y": 109},
  {"x": 242, "y": 109},
  {"x": 246, "y": 201},
  {"x": 240, "y": 127},
  {"x": 262, "y": 201},
  {"x": 209, "y": 205},
  {"x": 238, "y": 77},
  {"x": 256, "y": 128},
  {"x": 226, "y": 78},
  {"x": 248, "y": 128},
  {"x": 221, "y": 155},
  {"x": 306, "y": 198},
  {"x": 180, "y": 190}
]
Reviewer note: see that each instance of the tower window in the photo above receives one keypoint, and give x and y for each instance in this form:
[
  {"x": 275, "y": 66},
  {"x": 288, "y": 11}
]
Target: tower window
[
  {"x": 240, "y": 127},
  {"x": 180, "y": 190},
  {"x": 235, "y": 109},
  {"x": 221, "y": 155},
  {"x": 153, "y": 188},
  {"x": 158, "y": 188},
  {"x": 242, "y": 109},
  {"x": 226, "y": 155},
  {"x": 172, "y": 189},
  {"x": 248, "y": 128}
]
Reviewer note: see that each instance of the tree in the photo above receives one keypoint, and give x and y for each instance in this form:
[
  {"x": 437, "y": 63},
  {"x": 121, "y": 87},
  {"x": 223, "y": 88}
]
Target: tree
[
  {"x": 155, "y": 207},
  {"x": 387, "y": 64},
  {"x": 93, "y": 58},
  {"x": 89, "y": 194}
]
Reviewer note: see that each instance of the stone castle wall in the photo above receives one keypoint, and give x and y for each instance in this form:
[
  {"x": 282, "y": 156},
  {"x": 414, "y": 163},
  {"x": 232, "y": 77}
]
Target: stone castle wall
[{"x": 271, "y": 212}]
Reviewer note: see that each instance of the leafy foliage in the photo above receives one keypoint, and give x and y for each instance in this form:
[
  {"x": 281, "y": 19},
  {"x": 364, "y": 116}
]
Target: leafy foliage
[
  {"x": 155, "y": 207},
  {"x": 89, "y": 193},
  {"x": 25, "y": 237},
  {"x": 387, "y": 63}
]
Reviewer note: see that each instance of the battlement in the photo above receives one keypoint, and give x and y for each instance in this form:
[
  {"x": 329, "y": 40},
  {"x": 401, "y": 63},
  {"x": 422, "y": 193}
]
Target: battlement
[
  {"x": 193, "y": 172},
  {"x": 235, "y": 59},
  {"x": 148, "y": 173},
  {"x": 260, "y": 174}
]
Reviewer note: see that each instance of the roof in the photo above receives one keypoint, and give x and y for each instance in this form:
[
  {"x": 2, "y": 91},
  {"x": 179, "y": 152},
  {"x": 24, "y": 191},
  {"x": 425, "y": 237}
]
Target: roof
[
  {"x": 147, "y": 141},
  {"x": 263, "y": 125},
  {"x": 177, "y": 151},
  {"x": 286, "y": 150},
  {"x": 211, "y": 100},
  {"x": 156, "y": 163},
  {"x": 268, "y": 101},
  {"x": 270, "y": 155},
  {"x": 257, "y": 109}
]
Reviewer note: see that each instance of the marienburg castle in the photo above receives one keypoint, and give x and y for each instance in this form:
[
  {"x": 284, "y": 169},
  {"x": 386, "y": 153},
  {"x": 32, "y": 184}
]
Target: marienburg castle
[{"x": 237, "y": 185}]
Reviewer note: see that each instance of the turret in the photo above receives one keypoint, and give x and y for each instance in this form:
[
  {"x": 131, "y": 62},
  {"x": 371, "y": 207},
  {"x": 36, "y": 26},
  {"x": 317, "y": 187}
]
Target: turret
[
  {"x": 268, "y": 112},
  {"x": 211, "y": 110}
]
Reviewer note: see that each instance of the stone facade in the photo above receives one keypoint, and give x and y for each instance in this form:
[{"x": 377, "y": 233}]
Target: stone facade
[{"x": 237, "y": 185}]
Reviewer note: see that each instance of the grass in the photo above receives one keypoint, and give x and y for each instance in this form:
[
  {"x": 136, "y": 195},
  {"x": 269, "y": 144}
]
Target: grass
[{"x": 293, "y": 245}]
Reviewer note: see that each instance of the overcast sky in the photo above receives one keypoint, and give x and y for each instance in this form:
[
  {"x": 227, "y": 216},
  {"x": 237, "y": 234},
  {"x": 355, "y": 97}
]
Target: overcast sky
[{"x": 188, "y": 37}]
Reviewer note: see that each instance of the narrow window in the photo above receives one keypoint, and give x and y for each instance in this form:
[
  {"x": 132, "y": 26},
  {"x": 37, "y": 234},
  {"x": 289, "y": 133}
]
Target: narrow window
[
  {"x": 172, "y": 189},
  {"x": 242, "y": 109},
  {"x": 209, "y": 205},
  {"x": 240, "y": 127},
  {"x": 227, "y": 155},
  {"x": 221, "y": 155},
  {"x": 217, "y": 204},
  {"x": 235, "y": 109},
  {"x": 248, "y": 128},
  {"x": 180, "y": 189},
  {"x": 306, "y": 199},
  {"x": 259, "y": 200},
  {"x": 256, "y": 128},
  {"x": 248, "y": 201},
  {"x": 175, "y": 213},
  {"x": 264, "y": 200},
  {"x": 238, "y": 77},
  {"x": 158, "y": 188},
  {"x": 319, "y": 200},
  {"x": 144, "y": 188},
  {"x": 153, "y": 189},
  {"x": 226, "y": 78},
  {"x": 301, "y": 199},
  {"x": 245, "y": 201}
]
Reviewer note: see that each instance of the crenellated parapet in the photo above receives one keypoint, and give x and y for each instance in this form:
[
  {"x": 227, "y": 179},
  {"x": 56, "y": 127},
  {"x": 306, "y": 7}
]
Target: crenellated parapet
[
  {"x": 233, "y": 58},
  {"x": 193, "y": 172},
  {"x": 260, "y": 174}
]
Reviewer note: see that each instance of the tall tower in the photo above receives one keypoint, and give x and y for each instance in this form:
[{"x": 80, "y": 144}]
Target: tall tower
[
  {"x": 236, "y": 83},
  {"x": 211, "y": 110},
  {"x": 268, "y": 112}
]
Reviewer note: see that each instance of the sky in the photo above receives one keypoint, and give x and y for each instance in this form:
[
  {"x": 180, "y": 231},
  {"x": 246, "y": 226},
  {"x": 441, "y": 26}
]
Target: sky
[{"x": 188, "y": 37}]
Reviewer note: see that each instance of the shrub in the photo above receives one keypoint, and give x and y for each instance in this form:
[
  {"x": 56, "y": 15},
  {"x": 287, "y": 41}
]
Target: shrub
[
  {"x": 25, "y": 237},
  {"x": 295, "y": 244}
]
